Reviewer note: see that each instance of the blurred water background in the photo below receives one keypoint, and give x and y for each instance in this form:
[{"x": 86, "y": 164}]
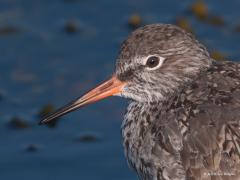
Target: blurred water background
[{"x": 52, "y": 51}]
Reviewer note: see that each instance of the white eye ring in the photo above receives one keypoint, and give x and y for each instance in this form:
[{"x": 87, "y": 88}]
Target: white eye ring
[{"x": 153, "y": 62}]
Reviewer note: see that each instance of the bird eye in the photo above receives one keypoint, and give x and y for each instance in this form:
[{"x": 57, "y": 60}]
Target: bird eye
[{"x": 154, "y": 62}]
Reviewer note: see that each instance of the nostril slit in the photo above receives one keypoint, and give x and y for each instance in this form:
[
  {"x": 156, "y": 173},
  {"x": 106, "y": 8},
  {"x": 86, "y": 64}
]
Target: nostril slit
[{"x": 106, "y": 85}]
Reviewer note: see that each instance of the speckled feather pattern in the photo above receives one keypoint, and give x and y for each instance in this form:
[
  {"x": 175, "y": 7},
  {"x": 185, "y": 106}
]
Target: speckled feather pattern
[
  {"x": 183, "y": 122},
  {"x": 192, "y": 135}
]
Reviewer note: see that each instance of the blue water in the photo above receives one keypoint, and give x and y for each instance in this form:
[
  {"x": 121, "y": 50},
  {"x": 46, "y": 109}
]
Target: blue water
[{"x": 43, "y": 64}]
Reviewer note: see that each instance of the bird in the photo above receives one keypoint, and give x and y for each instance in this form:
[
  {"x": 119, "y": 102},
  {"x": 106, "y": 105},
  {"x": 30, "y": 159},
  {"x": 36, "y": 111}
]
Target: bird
[{"x": 183, "y": 117}]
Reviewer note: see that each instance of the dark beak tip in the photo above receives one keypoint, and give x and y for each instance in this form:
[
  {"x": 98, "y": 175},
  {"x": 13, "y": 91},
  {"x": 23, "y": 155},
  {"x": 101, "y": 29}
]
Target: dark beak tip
[{"x": 42, "y": 122}]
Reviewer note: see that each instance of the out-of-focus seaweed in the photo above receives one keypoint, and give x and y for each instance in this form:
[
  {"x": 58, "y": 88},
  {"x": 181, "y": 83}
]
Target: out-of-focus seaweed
[
  {"x": 18, "y": 123},
  {"x": 200, "y": 10},
  {"x": 46, "y": 111},
  {"x": 217, "y": 55},
  {"x": 6, "y": 30},
  {"x": 31, "y": 148},
  {"x": 71, "y": 27},
  {"x": 237, "y": 28},
  {"x": 216, "y": 20},
  {"x": 87, "y": 138},
  {"x": 135, "y": 21},
  {"x": 184, "y": 24}
]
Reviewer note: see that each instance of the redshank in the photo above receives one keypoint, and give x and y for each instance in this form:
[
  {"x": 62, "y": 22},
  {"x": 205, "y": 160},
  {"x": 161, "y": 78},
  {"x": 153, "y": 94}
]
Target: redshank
[{"x": 183, "y": 119}]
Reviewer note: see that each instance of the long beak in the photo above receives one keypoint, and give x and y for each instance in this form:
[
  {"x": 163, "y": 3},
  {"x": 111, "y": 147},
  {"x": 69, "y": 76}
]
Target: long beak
[{"x": 110, "y": 87}]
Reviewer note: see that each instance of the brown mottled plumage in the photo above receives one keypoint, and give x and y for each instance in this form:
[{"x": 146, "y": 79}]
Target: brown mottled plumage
[
  {"x": 194, "y": 134},
  {"x": 183, "y": 120}
]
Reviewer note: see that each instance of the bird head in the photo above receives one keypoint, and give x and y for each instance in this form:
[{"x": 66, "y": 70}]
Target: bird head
[
  {"x": 154, "y": 62},
  {"x": 157, "y": 60}
]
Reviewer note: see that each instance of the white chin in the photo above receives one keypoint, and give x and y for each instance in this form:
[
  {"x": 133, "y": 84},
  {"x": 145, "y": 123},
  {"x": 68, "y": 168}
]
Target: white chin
[{"x": 131, "y": 96}]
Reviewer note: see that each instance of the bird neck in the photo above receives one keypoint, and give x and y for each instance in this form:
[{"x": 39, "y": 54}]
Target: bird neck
[
  {"x": 138, "y": 120},
  {"x": 140, "y": 116}
]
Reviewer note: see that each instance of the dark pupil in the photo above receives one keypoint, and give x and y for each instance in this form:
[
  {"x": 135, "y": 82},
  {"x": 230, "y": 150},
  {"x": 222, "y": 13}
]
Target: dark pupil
[{"x": 152, "y": 61}]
